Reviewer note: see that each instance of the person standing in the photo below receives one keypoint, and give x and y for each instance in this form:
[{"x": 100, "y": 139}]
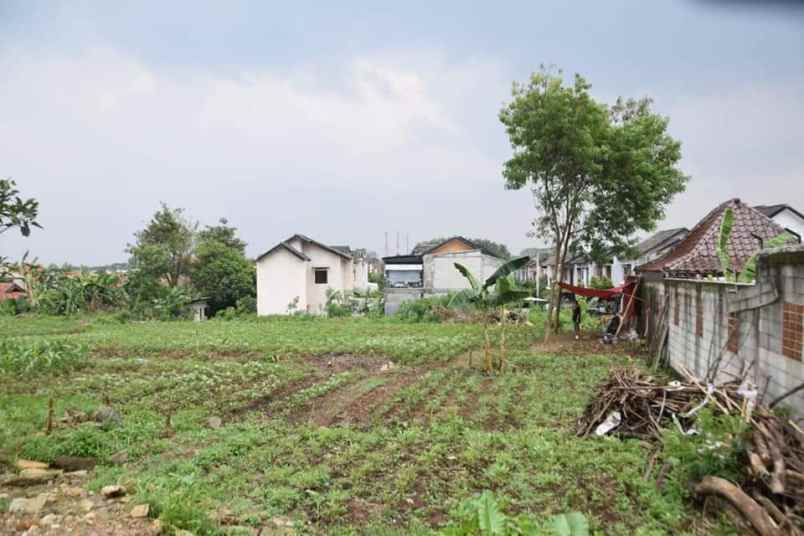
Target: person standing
[{"x": 576, "y": 317}]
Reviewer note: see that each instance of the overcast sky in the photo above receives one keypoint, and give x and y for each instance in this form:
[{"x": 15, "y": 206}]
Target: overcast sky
[{"x": 346, "y": 120}]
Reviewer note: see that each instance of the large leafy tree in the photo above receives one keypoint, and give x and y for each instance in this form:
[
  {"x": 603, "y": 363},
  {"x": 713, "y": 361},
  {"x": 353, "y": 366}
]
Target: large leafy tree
[
  {"x": 221, "y": 272},
  {"x": 598, "y": 173},
  {"x": 163, "y": 250}
]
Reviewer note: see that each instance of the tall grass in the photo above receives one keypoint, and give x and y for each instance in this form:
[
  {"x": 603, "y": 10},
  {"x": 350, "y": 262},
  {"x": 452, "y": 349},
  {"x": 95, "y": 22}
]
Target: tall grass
[{"x": 40, "y": 357}]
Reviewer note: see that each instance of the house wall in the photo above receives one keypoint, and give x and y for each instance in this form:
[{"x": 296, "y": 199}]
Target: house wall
[
  {"x": 728, "y": 327},
  {"x": 281, "y": 277},
  {"x": 790, "y": 220},
  {"x": 440, "y": 272},
  {"x": 337, "y": 279}
]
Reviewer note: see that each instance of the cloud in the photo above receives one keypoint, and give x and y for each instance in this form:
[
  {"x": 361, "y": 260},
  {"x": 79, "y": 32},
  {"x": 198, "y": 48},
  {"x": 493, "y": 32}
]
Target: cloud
[{"x": 100, "y": 137}]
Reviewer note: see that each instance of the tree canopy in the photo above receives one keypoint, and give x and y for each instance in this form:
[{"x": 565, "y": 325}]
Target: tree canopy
[
  {"x": 163, "y": 250},
  {"x": 598, "y": 173},
  {"x": 221, "y": 272},
  {"x": 16, "y": 211}
]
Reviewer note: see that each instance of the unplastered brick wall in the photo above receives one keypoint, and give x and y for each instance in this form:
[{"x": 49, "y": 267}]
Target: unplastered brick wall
[{"x": 730, "y": 328}]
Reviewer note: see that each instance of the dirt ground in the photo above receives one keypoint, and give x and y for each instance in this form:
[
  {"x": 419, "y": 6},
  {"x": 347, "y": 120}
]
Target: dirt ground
[{"x": 64, "y": 506}]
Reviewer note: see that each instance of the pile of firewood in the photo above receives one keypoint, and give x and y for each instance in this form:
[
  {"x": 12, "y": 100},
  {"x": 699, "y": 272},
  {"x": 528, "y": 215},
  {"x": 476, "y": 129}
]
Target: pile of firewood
[
  {"x": 633, "y": 404},
  {"x": 645, "y": 406},
  {"x": 775, "y": 452}
]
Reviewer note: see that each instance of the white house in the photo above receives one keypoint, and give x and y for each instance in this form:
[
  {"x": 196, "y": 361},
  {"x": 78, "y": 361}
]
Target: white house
[
  {"x": 295, "y": 275},
  {"x": 785, "y": 216}
]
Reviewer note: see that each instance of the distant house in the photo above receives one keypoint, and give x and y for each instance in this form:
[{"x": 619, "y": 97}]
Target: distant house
[
  {"x": 696, "y": 255},
  {"x": 786, "y": 216},
  {"x": 12, "y": 290},
  {"x": 580, "y": 270},
  {"x": 432, "y": 270},
  {"x": 295, "y": 275}
]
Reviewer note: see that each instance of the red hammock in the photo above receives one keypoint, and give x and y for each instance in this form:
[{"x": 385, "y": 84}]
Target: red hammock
[{"x": 607, "y": 294}]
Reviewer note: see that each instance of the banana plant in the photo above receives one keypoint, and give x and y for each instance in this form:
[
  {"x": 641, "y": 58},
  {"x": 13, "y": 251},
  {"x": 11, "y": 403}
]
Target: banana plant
[
  {"x": 726, "y": 225},
  {"x": 498, "y": 290}
]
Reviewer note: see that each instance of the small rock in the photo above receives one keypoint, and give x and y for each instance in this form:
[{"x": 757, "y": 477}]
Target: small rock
[
  {"x": 157, "y": 526},
  {"x": 107, "y": 417},
  {"x": 77, "y": 474},
  {"x": 86, "y": 505},
  {"x": 111, "y": 492},
  {"x": 90, "y": 517},
  {"x": 282, "y": 521},
  {"x": 17, "y": 506},
  {"x": 182, "y": 532},
  {"x": 388, "y": 366},
  {"x": 50, "y": 519},
  {"x": 29, "y": 464},
  {"x": 139, "y": 511},
  {"x": 119, "y": 458},
  {"x": 214, "y": 422},
  {"x": 35, "y": 505},
  {"x": 74, "y": 463},
  {"x": 72, "y": 491}
]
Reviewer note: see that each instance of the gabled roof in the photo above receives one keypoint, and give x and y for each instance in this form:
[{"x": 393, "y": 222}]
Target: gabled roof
[
  {"x": 532, "y": 252},
  {"x": 696, "y": 255},
  {"x": 660, "y": 239},
  {"x": 319, "y": 244},
  {"x": 429, "y": 248},
  {"x": 341, "y": 251},
  {"x": 772, "y": 210},
  {"x": 403, "y": 259},
  {"x": 287, "y": 247}
]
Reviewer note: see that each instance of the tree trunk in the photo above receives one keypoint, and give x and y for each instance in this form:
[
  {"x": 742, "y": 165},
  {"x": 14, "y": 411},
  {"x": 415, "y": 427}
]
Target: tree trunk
[{"x": 555, "y": 295}]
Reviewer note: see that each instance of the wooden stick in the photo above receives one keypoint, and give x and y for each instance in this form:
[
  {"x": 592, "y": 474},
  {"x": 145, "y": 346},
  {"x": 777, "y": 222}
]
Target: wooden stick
[{"x": 757, "y": 516}]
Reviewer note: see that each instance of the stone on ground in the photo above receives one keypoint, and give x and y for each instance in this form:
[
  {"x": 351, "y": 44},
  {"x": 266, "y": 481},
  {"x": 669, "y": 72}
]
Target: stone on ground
[
  {"x": 141, "y": 510},
  {"x": 113, "y": 491}
]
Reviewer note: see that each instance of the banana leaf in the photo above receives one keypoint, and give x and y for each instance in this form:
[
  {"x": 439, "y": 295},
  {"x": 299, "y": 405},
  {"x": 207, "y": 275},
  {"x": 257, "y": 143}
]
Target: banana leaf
[
  {"x": 468, "y": 275},
  {"x": 506, "y": 269},
  {"x": 723, "y": 243}
]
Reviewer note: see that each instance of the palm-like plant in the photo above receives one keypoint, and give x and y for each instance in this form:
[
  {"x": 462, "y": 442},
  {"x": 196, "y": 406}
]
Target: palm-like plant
[{"x": 498, "y": 290}]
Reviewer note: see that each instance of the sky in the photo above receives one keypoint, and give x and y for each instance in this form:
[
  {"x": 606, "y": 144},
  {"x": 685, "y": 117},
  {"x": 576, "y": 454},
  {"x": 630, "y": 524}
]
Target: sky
[{"x": 345, "y": 120}]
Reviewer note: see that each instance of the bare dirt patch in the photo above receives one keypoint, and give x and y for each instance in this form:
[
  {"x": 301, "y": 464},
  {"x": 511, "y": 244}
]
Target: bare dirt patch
[{"x": 564, "y": 344}]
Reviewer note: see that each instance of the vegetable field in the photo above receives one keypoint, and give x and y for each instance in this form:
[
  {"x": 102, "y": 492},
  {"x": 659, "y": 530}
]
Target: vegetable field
[{"x": 339, "y": 426}]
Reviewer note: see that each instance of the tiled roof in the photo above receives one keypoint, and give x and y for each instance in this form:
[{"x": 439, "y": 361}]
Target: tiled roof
[{"x": 696, "y": 255}]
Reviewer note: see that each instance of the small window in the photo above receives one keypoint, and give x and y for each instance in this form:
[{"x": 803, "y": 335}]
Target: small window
[{"x": 320, "y": 276}]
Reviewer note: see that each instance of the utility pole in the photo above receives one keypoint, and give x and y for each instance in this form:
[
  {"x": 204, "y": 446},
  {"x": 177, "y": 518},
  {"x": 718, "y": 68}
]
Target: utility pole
[{"x": 397, "y": 242}]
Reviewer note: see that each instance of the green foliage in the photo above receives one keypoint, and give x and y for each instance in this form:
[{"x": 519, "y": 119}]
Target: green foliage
[
  {"x": 222, "y": 274},
  {"x": 724, "y": 235},
  {"x": 223, "y": 233},
  {"x": 427, "y": 309},
  {"x": 39, "y": 357},
  {"x": 601, "y": 282},
  {"x": 716, "y": 451},
  {"x": 63, "y": 294},
  {"x": 163, "y": 250},
  {"x": 749, "y": 273},
  {"x": 16, "y": 211},
  {"x": 338, "y": 305},
  {"x": 483, "y": 515},
  {"x": 377, "y": 278},
  {"x": 598, "y": 174}
]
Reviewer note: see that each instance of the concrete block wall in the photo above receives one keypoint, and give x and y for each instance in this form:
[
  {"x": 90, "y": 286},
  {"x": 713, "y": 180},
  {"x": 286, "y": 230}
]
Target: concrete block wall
[{"x": 730, "y": 327}]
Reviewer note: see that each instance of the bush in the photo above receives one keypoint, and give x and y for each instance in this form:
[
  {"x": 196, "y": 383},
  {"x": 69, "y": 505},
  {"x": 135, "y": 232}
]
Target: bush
[
  {"x": 36, "y": 358},
  {"x": 602, "y": 283},
  {"x": 424, "y": 310}
]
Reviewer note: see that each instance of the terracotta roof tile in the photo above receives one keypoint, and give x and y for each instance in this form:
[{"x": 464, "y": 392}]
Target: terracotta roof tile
[{"x": 696, "y": 255}]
